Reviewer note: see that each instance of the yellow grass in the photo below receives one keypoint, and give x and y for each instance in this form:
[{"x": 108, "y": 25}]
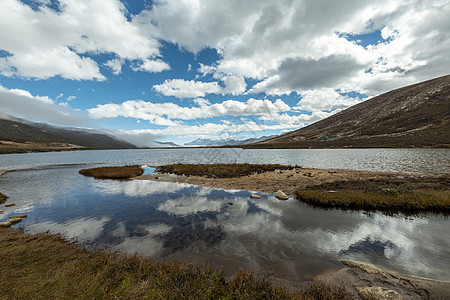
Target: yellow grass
[{"x": 44, "y": 266}]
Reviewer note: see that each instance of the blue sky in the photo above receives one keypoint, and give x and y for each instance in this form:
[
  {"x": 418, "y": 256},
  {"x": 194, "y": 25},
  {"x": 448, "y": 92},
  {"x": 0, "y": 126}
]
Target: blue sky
[{"x": 180, "y": 70}]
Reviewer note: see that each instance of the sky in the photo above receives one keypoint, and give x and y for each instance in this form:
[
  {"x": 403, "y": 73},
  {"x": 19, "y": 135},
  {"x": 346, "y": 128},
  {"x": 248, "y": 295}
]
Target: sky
[{"x": 178, "y": 70}]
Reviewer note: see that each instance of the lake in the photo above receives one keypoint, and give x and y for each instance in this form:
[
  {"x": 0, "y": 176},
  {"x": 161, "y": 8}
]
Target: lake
[{"x": 173, "y": 221}]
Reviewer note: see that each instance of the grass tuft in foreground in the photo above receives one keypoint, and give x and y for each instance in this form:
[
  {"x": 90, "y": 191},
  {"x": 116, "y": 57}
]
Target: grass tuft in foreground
[
  {"x": 3, "y": 198},
  {"x": 407, "y": 195},
  {"x": 221, "y": 170},
  {"x": 43, "y": 266},
  {"x": 123, "y": 172}
]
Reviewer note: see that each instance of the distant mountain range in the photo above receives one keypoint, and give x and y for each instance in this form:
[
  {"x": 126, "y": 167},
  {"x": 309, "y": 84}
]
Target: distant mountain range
[
  {"x": 18, "y": 135},
  {"x": 414, "y": 116},
  {"x": 229, "y": 142}
]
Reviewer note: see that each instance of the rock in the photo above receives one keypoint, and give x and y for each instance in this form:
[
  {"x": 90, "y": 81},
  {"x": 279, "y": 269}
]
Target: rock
[
  {"x": 5, "y": 224},
  {"x": 1, "y": 211},
  {"x": 378, "y": 293},
  {"x": 230, "y": 203},
  {"x": 10, "y": 204},
  {"x": 15, "y": 220},
  {"x": 255, "y": 196},
  {"x": 280, "y": 195},
  {"x": 19, "y": 216}
]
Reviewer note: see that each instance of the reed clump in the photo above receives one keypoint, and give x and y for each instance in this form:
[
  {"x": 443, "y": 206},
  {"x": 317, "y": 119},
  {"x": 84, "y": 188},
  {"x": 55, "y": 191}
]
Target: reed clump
[
  {"x": 221, "y": 170},
  {"x": 122, "y": 172},
  {"x": 44, "y": 266},
  {"x": 3, "y": 198},
  {"x": 407, "y": 195}
]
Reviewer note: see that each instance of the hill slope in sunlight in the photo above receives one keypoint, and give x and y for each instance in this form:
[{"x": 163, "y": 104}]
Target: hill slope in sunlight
[{"x": 414, "y": 116}]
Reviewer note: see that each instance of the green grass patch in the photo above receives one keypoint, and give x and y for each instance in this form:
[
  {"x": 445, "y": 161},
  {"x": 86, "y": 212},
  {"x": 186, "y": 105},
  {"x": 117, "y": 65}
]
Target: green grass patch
[
  {"x": 3, "y": 198},
  {"x": 408, "y": 195},
  {"x": 221, "y": 170},
  {"x": 43, "y": 266},
  {"x": 123, "y": 172}
]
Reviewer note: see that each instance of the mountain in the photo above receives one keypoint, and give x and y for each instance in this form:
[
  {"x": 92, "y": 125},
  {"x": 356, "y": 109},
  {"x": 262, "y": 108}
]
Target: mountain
[
  {"x": 230, "y": 142},
  {"x": 414, "y": 116},
  {"x": 167, "y": 144},
  {"x": 200, "y": 142},
  {"x": 18, "y": 135}
]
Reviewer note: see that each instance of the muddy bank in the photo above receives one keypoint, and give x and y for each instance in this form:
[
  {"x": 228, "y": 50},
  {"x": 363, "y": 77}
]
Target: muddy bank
[{"x": 367, "y": 281}]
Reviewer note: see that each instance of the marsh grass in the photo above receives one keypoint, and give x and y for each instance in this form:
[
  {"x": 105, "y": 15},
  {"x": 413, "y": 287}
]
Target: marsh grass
[
  {"x": 123, "y": 172},
  {"x": 44, "y": 266},
  {"x": 408, "y": 195},
  {"x": 3, "y": 198},
  {"x": 221, "y": 170}
]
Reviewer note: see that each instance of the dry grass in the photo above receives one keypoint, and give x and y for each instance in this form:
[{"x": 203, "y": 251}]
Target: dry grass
[
  {"x": 221, "y": 170},
  {"x": 44, "y": 266},
  {"x": 123, "y": 172},
  {"x": 407, "y": 195},
  {"x": 3, "y": 198}
]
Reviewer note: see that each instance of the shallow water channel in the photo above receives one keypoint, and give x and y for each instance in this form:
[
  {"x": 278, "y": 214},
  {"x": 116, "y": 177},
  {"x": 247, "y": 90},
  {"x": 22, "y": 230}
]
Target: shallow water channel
[{"x": 222, "y": 228}]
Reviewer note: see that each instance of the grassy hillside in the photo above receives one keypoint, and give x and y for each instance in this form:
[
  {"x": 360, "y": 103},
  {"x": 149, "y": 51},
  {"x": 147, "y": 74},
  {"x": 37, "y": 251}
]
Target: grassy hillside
[
  {"x": 413, "y": 116},
  {"x": 16, "y": 136}
]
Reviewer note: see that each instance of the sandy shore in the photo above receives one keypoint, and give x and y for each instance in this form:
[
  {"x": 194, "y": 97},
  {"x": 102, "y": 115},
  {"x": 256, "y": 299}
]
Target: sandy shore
[{"x": 270, "y": 182}]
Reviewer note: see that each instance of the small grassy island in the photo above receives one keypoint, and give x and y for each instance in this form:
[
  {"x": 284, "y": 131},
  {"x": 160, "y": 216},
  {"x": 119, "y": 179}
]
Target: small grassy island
[
  {"x": 123, "y": 172},
  {"x": 411, "y": 195}
]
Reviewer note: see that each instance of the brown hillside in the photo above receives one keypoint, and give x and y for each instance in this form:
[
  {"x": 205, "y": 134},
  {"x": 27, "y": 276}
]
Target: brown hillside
[{"x": 414, "y": 116}]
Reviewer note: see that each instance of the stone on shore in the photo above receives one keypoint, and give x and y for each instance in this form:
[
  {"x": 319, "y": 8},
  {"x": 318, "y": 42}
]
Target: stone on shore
[
  {"x": 255, "y": 196},
  {"x": 378, "y": 293},
  {"x": 19, "y": 216},
  {"x": 280, "y": 195},
  {"x": 15, "y": 220},
  {"x": 10, "y": 204},
  {"x": 1, "y": 211},
  {"x": 5, "y": 224}
]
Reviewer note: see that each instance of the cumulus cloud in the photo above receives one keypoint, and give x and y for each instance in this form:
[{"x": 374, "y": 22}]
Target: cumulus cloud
[
  {"x": 115, "y": 65},
  {"x": 186, "y": 88},
  {"x": 23, "y": 104},
  {"x": 300, "y": 45},
  {"x": 324, "y": 99},
  {"x": 152, "y": 66},
  {"x": 150, "y": 111},
  {"x": 43, "y": 43},
  {"x": 304, "y": 74}
]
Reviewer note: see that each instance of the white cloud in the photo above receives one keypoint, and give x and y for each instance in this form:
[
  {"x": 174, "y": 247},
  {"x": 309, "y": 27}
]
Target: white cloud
[
  {"x": 44, "y": 43},
  {"x": 292, "y": 46},
  {"x": 23, "y": 104},
  {"x": 153, "y": 111},
  {"x": 115, "y": 65},
  {"x": 152, "y": 66},
  {"x": 324, "y": 99},
  {"x": 186, "y": 88}
]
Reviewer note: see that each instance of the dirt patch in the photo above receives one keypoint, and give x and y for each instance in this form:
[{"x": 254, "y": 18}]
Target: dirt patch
[{"x": 221, "y": 170}]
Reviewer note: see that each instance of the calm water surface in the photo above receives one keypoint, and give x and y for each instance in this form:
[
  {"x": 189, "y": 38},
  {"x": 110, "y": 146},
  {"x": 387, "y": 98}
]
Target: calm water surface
[
  {"x": 435, "y": 161},
  {"x": 196, "y": 224}
]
